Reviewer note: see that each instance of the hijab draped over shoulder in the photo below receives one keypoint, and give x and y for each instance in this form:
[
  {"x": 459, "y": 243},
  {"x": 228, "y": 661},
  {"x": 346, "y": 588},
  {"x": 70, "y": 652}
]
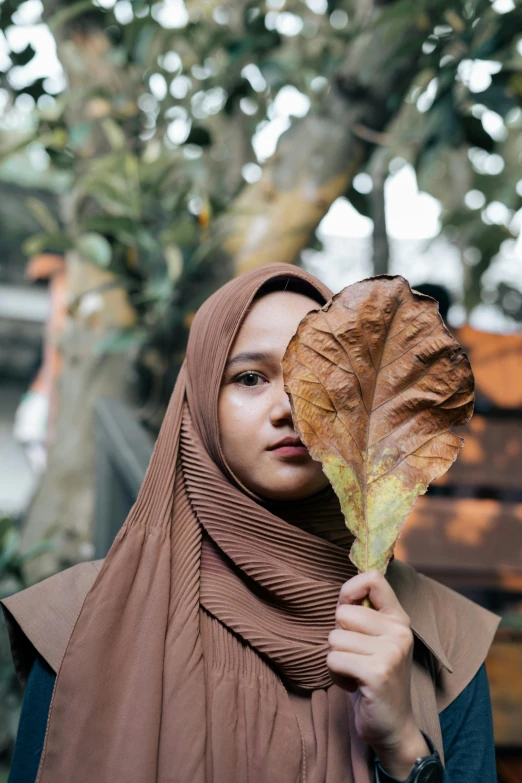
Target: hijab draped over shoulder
[{"x": 195, "y": 652}]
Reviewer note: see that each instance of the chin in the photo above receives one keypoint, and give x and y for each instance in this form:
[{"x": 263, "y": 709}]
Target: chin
[{"x": 292, "y": 490}]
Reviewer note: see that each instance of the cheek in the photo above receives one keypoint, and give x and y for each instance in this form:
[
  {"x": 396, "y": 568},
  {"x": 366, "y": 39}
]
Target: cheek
[{"x": 239, "y": 420}]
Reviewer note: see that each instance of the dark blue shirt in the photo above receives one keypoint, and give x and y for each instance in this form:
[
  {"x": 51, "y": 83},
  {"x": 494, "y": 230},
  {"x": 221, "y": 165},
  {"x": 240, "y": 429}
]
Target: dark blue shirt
[
  {"x": 467, "y": 730},
  {"x": 33, "y": 722}
]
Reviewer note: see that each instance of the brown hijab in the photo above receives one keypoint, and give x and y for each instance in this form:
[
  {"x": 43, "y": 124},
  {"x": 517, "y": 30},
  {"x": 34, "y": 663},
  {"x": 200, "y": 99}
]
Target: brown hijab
[{"x": 196, "y": 651}]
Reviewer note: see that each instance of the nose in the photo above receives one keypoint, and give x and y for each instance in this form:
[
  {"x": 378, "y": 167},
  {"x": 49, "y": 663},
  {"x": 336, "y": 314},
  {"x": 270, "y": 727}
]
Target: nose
[{"x": 280, "y": 409}]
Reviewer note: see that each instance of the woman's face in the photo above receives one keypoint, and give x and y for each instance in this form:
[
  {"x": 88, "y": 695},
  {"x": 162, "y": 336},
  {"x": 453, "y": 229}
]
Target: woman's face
[{"x": 254, "y": 409}]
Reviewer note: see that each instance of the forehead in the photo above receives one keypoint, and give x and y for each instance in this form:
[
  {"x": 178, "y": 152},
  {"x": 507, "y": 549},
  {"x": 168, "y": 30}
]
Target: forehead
[{"x": 273, "y": 319}]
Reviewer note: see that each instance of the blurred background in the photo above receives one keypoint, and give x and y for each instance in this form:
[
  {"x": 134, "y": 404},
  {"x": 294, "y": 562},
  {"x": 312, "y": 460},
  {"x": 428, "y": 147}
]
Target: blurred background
[{"x": 150, "y": 151}]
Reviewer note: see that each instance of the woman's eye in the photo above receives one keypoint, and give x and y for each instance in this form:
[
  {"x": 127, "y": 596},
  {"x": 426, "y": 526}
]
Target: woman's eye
[{"x": 248, "y": 379}]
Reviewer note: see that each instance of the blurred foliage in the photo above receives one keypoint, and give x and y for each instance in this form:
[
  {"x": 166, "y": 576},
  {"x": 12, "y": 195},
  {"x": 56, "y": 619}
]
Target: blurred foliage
[
  {"x": 472, "y": 146},
  {"x": 16, "y": 225},
  {"x": 168, "y": 161},
  {"x": 12, "y": 579},
  {"x": 155, "y": 134}
]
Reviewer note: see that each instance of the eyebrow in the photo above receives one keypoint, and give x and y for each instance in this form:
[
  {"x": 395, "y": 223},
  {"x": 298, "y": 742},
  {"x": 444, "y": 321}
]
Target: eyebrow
[{"x": 249, "y": 356}]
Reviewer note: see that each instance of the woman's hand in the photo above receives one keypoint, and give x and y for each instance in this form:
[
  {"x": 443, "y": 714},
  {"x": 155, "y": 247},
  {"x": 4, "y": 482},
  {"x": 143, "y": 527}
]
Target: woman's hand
[{"x": 370, "y": 656}]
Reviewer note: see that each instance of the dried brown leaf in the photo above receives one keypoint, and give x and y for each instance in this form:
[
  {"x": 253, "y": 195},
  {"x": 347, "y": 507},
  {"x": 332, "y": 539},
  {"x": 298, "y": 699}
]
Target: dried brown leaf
[{"x": 376, "y": 382}]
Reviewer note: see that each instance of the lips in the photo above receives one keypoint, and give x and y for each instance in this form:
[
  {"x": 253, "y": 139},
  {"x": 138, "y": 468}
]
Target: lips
[{"x": 287, "y": 442}]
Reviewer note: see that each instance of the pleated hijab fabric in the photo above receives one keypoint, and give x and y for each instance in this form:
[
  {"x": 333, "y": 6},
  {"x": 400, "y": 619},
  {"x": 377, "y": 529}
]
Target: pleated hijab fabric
[{"x": 199, "y": 653}]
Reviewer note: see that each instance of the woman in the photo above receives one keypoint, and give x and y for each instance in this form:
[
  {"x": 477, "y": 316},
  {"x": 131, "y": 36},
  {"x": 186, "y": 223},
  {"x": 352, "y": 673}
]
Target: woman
[{"x": 221, "y": 638}]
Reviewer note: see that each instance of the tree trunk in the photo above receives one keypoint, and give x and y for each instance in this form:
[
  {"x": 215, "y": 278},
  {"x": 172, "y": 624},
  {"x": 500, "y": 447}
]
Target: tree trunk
[
  {"x": 62, "y": 507},
  {"x": 317, "y": 158},
  {"x": 381, "y": 247}
]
